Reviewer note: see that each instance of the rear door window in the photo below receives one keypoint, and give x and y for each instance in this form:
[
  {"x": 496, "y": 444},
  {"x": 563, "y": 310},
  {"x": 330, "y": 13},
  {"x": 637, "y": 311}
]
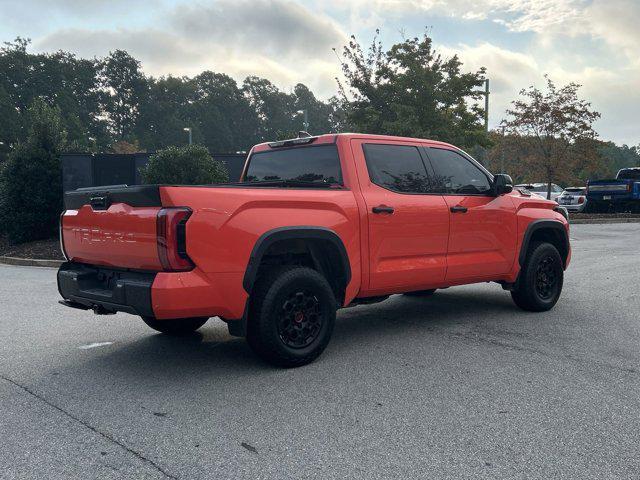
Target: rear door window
[
  {"x": 397, "y": 167},
  {"x": 631, "y": 174},
  {"x": 318, "y": 164},
  {"x": 456, "y": 174}
]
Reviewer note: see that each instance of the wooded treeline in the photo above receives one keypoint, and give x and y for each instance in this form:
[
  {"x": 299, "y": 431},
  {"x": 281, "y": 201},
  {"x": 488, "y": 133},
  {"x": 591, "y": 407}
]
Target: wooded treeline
[{"x": 110, "y": 104}]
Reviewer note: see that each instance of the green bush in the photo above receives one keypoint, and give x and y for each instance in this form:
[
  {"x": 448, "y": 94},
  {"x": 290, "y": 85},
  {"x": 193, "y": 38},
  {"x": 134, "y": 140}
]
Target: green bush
[
  {"x": 30, "y": 179},
  {"x": 190, "y": 165}
]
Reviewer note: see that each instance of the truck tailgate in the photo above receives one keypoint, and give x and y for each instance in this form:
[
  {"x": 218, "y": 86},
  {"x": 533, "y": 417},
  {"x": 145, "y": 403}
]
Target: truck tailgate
[{"x": 112, "y": 226}]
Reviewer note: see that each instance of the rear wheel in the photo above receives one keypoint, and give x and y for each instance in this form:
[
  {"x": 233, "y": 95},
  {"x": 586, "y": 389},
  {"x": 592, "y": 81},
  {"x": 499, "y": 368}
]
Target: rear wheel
[
  {"x": 541, "y": 278},
  {"x": 291, "y": 318},
  {"x": 420, "y": 293},
  {"x": 178, "y": 326}
]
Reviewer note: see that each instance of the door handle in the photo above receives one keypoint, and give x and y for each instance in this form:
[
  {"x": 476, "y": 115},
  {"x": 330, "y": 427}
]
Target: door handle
[
  {"x": 382, "y": 209},
  {"x": 458, "y": 209}
]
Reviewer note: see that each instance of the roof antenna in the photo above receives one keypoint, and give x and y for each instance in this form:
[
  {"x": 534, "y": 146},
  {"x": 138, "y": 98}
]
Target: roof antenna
[{"x": 303, "y": 134}]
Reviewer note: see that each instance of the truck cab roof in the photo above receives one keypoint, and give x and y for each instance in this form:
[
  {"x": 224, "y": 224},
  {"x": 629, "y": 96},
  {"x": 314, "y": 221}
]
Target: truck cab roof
[{"x": 333, "y": 138}]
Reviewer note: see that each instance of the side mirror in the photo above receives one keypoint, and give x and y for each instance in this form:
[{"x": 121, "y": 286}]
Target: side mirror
[{"x": 502, "y": 184}]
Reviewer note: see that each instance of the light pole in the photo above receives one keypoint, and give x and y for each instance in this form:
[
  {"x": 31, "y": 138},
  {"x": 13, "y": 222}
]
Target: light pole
[
  {"x": 502, "y": 152},
  {"x": 305, "y": 125},
  {"x": 486, "y": 105},
  {"x": 188, "y": 129}
]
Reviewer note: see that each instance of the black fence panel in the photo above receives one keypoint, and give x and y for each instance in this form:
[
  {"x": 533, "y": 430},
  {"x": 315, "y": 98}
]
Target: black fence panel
[
  {"x": 94, "y": 170},
  {"x": 234, "y": 163},
  {"x": 114, "y": 169},
  {"x": 77, "y": 171}
]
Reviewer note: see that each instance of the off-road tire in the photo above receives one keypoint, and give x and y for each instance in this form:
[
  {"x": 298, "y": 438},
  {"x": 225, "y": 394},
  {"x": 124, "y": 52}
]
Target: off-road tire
[
  {"x": 540, "y": 282},
  {"x": 290, "y": 305},
  {"x": 176, "y": 327}
]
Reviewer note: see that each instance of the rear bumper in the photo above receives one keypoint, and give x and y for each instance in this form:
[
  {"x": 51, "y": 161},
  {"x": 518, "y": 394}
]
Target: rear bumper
[
  {"x": 162, "y": 295},
  {"x": 575, "y": 207},
  {"x": 106, "y": 290},
  {"x": 615, "y": 198}
]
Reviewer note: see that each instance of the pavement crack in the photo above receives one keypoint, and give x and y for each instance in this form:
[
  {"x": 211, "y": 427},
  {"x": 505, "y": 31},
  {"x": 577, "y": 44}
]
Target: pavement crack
[
  {"x": 85, "y": 424},
  {"x": 475, "y": 336}
]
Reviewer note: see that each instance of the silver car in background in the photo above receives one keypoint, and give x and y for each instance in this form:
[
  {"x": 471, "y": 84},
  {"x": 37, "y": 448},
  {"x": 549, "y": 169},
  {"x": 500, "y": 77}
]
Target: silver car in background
[
  {"x": 573, "y": 199},
  {"x": 540, "y": 189}
]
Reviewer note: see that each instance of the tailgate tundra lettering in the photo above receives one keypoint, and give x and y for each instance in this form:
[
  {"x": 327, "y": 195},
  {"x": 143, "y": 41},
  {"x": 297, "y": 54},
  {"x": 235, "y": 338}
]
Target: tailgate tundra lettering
[{"x": 96, "y": 235}]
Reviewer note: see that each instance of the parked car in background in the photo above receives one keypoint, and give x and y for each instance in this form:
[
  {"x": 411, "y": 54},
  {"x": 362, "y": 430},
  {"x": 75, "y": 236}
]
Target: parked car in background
[
  {"x": 574, "y": 199},
  {"x": 621, "y": 194},
  {"x": 540, "y": 189}
]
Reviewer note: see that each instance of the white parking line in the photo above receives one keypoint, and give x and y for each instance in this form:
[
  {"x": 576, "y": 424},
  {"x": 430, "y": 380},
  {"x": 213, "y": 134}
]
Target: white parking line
[{"x": 94, "y": 345}]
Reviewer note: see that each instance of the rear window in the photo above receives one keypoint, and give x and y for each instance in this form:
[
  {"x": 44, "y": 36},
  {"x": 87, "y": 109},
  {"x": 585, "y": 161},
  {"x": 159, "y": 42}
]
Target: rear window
[
  {"x": 319, "y": 164},
  {"x": 575, "y": 190},
  {"x": 631, "y": 174}
]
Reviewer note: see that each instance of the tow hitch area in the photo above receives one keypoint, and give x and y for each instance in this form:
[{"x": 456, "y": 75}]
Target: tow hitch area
[
  {"x": 97, "y": 309},
  {"x": 67, "y": 303},
  {"x": 105, "y": 290}
]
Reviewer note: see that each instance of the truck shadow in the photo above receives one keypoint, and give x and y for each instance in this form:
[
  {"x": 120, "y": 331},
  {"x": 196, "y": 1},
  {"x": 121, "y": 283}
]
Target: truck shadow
[{"x": 212, "y": 350}]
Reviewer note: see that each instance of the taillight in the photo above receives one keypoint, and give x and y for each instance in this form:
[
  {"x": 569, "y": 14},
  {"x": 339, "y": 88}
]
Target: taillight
[
  {"x": 580, "y": 199},
  {"x": 171, "y": 226},
  {"x": 64, "y": 254}
]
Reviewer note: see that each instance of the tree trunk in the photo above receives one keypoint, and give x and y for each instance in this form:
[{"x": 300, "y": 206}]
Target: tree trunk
[{"x": 549, "y": 189}]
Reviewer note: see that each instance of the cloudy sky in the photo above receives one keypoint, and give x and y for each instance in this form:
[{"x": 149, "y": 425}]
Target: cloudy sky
[{"x": 592, "y": 42}]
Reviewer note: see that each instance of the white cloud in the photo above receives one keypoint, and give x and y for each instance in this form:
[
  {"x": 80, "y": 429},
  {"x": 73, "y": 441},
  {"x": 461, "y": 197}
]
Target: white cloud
[
  {"x": 277, "y": 39},
  {"x": 616, "y": 23},
  {"x": 508, "y": 72},
  {"x": 593, "y": 42},
  {"x": 278, "y": 27}
]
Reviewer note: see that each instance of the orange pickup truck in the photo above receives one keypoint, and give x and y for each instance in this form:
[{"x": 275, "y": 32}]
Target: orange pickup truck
[{"x": 313, "y": 225}]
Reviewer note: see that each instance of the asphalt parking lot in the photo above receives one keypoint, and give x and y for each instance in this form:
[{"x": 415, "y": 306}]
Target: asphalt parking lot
[{"x": 459, "y": 385}]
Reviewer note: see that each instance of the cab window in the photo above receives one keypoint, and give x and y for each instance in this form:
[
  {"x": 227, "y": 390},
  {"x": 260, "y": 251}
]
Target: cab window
[
  {"x": 397, "y": 167},
  {"x": 457, "y": 175}
]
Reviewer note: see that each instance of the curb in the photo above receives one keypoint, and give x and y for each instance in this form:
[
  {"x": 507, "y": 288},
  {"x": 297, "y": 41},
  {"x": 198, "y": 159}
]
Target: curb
[
  {"x": 578, "y": 221},
  {"x": 30, "y": 262}
]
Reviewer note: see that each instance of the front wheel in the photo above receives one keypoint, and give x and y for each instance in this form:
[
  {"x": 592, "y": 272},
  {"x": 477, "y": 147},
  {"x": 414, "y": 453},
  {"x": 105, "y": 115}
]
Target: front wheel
[
  {"x": 541, "y": 279},
  {"x": 291, "y": 318},
  {"x": 176, "y": 327}
]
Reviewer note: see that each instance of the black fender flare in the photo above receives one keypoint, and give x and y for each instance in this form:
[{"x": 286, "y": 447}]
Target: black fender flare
[
  {"x": 289, "y": 233},
  {"x": 543, "y": 224}
]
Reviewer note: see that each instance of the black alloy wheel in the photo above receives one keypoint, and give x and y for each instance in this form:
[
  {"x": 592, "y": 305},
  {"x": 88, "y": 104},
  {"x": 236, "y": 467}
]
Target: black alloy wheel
[
  {"x": 546, "y": 277},
  {"x": 541, "y": 277},
  {"x": 300, "y": 319}
]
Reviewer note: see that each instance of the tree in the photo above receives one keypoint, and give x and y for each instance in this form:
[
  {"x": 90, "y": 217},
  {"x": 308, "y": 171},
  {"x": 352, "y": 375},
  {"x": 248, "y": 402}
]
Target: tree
[
  {"x": 165, "y": 111},
  {"x": 319, "y": 114},
  {"x": 30, "y": 180},
  {"x": 60, "y": 79},
  {"x": 615, "y": 157},
  {"x": 410, "y": 90},
  {"x": 105, "y": 102},
  {"x": 188, "y": 165},
  {"x": 275, "y": 109},
  {"x": 124, "y": 87},
  {"x": 223, "y": 114},
  {"x": 124, "y": 147},
  {"x": 556, "y": 126}
]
